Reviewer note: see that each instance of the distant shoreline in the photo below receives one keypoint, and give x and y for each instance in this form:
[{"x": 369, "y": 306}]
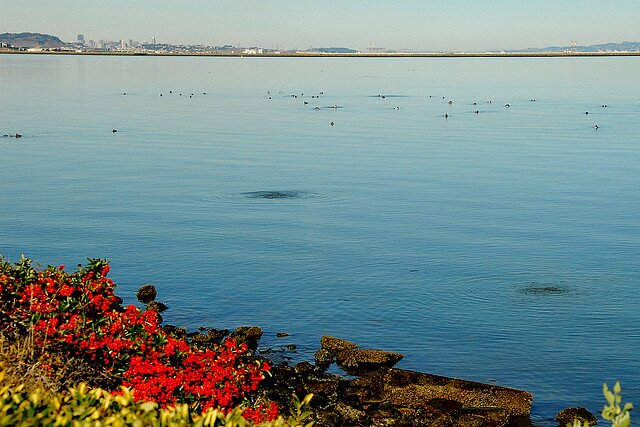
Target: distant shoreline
[{"x": 345, "y": 55}]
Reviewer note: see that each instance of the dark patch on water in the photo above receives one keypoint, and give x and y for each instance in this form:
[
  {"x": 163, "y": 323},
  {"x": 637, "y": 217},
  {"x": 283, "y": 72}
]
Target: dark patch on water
[
  {"x": 545, "y": 289},
  {"x": 272, "y": 195},
  {"x": 277, "y": 195}
]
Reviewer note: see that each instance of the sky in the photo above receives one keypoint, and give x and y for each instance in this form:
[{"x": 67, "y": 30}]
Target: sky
[{"x": 413, "y": 25}]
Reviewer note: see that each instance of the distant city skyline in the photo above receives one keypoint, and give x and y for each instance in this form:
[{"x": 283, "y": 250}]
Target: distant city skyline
[{"x": 410, "y": 25}]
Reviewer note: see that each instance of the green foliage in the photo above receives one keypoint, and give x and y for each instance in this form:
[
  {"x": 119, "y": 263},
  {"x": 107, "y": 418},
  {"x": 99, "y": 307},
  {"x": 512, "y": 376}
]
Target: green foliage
[
  {"x": 619, "y": 416},
  {"x": 577, "y": 423},
  {"x": 298, "y": 414},
  {"x": 81, "y": 406}
]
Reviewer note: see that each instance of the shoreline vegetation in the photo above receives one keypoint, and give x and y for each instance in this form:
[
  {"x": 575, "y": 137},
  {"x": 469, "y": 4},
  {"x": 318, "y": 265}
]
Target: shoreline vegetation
[
  {"x": 72, "y": 354},
  {"x": 341, "y": 55}
]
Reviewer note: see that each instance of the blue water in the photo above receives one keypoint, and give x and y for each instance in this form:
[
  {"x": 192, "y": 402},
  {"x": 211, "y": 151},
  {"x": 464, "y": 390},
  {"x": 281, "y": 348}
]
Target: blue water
[{"x": 502, "y": 246}]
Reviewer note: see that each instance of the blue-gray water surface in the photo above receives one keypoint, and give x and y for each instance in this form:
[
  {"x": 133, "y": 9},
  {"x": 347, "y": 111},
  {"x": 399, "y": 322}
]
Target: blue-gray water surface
[{"x": 498, "y": 244}]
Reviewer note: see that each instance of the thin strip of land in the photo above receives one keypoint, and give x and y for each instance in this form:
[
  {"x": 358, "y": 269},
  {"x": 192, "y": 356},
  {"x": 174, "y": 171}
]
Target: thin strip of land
[{"x": 340, "y": 55}]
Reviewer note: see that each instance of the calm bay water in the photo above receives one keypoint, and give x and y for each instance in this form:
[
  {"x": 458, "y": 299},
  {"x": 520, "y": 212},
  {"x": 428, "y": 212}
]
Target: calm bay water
[{"x": 501, "y": 246}]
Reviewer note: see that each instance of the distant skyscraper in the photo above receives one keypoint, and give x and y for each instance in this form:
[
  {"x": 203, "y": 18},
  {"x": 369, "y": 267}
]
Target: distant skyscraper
[
  {"x": 81, "y": 39},
  {"x": 154, "y": 40},
  {"x": 123, "y": 44}
]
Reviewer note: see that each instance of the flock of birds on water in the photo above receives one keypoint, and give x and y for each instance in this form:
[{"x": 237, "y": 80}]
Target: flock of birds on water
[
  {"x": 334, "y": 106},
  {"x": 445, "y": 115}
]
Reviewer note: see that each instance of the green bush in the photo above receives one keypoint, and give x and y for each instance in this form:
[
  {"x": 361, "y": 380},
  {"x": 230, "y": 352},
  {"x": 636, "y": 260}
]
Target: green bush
[{"x": 619, "y": 416}]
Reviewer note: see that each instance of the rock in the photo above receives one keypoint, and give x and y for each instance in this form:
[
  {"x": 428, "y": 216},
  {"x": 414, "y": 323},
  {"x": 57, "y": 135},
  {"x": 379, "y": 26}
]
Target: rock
[
  {"x": 382, "y": 419},
  {"x": 366, "y": 389},
  {"x": 478, "y": 417},
  {"x": 175, "y": 331},
  {"x": 249, "y": 335},
  {"x": 325, "y": 389},
  {"x": 217, "y": 335},
  {"x": 304, "y": 368},
  {"x": 323, "y": 358},
  {"x": 356, "y": 360},
  {"x": 431, "y": 417},
  {"x": 335, "y": 345},
  {"x": 292, "y": 347},
  {"x": 384, "y": 396},
  {"x": 566, "y": 416},
  {"x": 283, "y": 334},
  {"x": 413, "y": 389},
  {"x": 470, "y": 420},
  {"x": 326, "y": 419},
  {"x": 351, "y": 416},
  {"x": 146, "y": 294},
  {"x": 198, "y": 338},
  {"x": 283, "y": 381},
  {"x": 156, "y": 306},
  {"x": 445, "y": 404}
]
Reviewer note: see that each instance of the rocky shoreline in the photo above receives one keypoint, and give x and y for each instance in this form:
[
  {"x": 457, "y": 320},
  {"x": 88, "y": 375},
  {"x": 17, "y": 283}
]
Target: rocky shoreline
[
  {"x": 381, "y": 395},
  {"x": 372, "y": 392}
]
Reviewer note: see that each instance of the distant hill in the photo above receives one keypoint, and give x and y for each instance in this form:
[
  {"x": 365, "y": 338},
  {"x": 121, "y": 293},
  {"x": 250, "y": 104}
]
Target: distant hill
[
  {"x": 30, "y": 40},
  {"x": 606, "y": 47}
]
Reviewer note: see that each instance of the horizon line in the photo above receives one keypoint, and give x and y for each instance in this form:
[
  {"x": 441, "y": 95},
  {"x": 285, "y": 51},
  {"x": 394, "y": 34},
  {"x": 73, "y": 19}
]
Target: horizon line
[{"x": 335, "y": 55}]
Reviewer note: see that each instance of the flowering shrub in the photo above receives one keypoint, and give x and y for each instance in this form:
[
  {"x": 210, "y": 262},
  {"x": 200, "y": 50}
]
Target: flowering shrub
[
  {"x": 80, "y": 314},
  {"x": 94, "y": 407}
]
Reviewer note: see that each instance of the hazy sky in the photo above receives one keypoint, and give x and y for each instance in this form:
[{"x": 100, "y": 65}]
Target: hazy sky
[{"x": 461, "y": 25}]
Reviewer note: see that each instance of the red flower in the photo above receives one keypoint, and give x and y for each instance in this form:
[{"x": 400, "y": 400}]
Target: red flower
[{"x": 105, "y": 270}]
